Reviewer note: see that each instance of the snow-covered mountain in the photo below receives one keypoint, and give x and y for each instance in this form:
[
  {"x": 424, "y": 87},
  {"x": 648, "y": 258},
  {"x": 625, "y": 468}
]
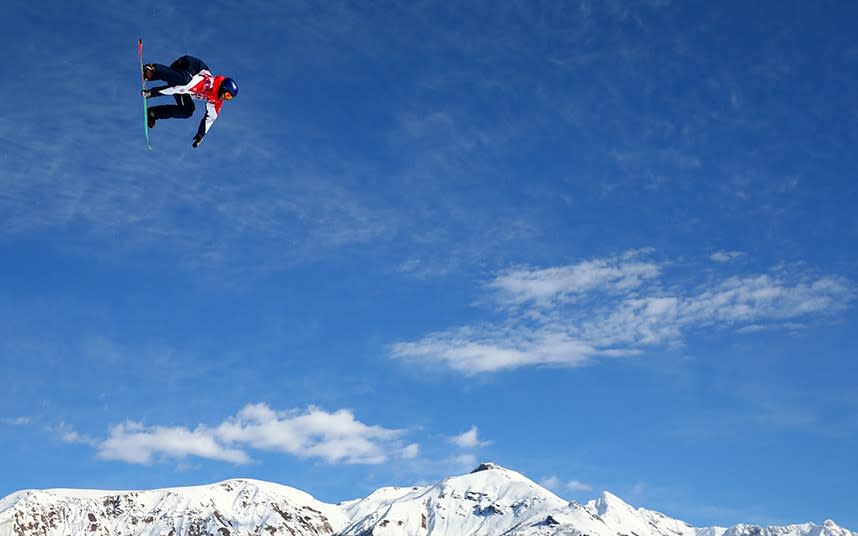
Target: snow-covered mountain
[
  {"x": 232, "y": 508},
  {"x": 489, "y": 501}
]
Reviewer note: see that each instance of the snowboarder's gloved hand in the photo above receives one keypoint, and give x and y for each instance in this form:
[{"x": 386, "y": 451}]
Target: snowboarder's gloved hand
[
  {"x": 198, "y": 139},
  {"x": 146, "y": 93}
]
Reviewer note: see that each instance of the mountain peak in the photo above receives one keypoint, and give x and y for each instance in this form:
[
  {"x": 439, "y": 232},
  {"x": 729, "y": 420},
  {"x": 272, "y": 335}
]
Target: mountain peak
[
  {"x": 608, "y": 502},
  {"x": 487, "y": 466},
  {"x": 489, "y": 500},
  {"x": 610, "y": 498}
]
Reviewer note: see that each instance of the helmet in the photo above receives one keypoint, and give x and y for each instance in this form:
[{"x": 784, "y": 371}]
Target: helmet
[{"x": 228, "y": 85}]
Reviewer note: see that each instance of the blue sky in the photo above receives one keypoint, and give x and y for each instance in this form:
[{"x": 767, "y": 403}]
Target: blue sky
[{"x": 610, "y": 245}]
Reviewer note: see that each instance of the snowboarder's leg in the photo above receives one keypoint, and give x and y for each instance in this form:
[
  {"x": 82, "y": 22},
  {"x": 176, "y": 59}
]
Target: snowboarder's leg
[
  {"x": 186, "y": 106},
  {"x": 183, "y": 109},
  {"x": 171, "y": 76}
]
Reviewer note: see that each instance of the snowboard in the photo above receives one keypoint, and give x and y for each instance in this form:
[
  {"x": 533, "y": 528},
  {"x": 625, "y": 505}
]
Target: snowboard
[{"x": 143, "y": 84}]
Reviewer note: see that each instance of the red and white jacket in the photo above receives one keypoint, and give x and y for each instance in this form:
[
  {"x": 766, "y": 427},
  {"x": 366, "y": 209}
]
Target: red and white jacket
[{"x": 205, "y": 87}]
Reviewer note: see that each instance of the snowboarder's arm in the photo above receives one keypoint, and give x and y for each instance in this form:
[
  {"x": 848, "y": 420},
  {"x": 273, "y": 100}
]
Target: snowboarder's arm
[
  {"x": 155, "y": 91},
  {"x": 190, "y": 87},
  {"x": 208, "y": 119},
  {"x": 206, "y": 122}
]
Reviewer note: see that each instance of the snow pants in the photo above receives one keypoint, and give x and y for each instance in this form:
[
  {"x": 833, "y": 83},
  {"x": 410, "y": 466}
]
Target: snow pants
[
  {"x": 183, "y": 109},
  {"x": 173, "y": 75}
]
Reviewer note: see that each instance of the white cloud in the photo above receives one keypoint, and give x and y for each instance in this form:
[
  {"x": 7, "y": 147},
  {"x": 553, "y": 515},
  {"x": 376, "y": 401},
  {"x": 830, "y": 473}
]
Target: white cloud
[
  {"x": 469, "y": 439},
  {"x": 490, "y": 348},
  {"x": 411, "y": 451},
  {"x": 568, "y": 316},
  {"x": 334, "y": 437},
  {"x": 15, "y": 421},
  {"x": 554, "y": 483},
  {"x": 135, "y": 443},
  {"x": 725, "y": 256},
  {"x": 576, "y": 485},
  {"x": 544, "y": 286},
  {"x": 67, "y": 434},
  {"x": 73, "y": 437},
  {"x": 551, "y": 482}
]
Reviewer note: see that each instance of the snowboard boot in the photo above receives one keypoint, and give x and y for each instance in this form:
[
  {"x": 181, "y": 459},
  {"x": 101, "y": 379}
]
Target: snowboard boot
[
  {"x": 150, "y": 119},
  {"x": 148, "y": 71}
]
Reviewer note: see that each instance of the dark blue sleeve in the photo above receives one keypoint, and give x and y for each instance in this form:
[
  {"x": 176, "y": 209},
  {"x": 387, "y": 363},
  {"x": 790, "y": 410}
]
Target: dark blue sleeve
[
  {"x": 190, "y": 64},
  {"x": 156, "y": 91}
]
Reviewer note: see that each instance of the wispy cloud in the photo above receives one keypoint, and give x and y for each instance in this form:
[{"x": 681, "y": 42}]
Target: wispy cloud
[
  {"x": 411, "y": 451},
  {"x": 550, "y": 482},
  {"x": 313, "y": 433},
  {"x": 576, "y": 485},
  {"x": 551, "y": 285},
  {"x": 67, "y": 434},
  {"x": 469, "y": 439},
  {"x": 555, "y": 483},
  {"x": 725, "y": 256},
  {"x": 569, "y": 315},
  {"x": 15, "y": 421}
]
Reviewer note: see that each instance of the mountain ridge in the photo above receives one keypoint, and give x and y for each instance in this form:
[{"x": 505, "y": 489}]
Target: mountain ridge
[{"x": 489, "y": 501}]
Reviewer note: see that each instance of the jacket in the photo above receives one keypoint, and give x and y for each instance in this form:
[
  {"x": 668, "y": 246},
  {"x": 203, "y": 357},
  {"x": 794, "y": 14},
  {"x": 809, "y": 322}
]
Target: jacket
[{"x": 202, "y": 86}]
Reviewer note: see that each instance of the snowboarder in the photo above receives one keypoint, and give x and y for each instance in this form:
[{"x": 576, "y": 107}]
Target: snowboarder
[{"x": 188, "y": 78}]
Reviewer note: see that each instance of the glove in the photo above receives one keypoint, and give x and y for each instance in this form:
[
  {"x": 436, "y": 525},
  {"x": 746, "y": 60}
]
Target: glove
[
  {"x": 198, "y": 139},
  {"x": 146, "y": 93}
]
